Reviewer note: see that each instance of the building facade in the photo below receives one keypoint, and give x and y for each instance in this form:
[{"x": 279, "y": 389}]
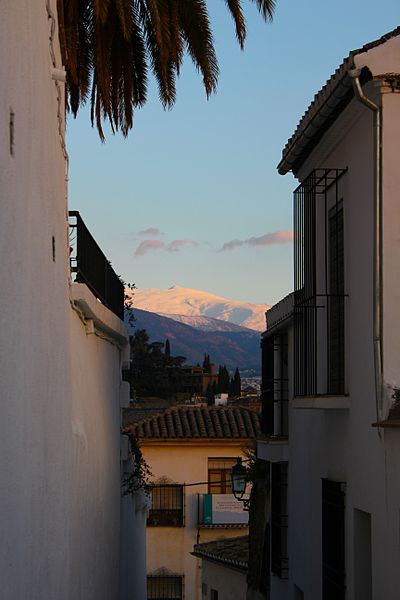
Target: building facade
[
  {"x": 190, "y": 451},
  {"x": 61, "y": 350},
  {"x": 224, "y": 565},
  {"x": 331, "y": 358}
]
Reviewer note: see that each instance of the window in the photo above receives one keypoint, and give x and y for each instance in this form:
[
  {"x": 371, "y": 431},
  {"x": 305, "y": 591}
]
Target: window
[
  {"x": 219, "y": 475},
  {"x": 214, "y": 595},
  {"x": 274, "y": 384},
  {"x": 279, "y": 520},
  {"x": 319, "y": 290},
  {"x": 160, "y": 587},
  {"x": 267, "y": 385},
  {"x": 166, "y": 506},
  {"x": 336, "y": 306},
  {"x": 333, "y": 541}
]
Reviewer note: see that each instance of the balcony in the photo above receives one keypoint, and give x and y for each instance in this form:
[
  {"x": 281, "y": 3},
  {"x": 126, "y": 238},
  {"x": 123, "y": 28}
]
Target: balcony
[
  {"x": 319, "y": 285},
  {"x": 90, "y": 266}
]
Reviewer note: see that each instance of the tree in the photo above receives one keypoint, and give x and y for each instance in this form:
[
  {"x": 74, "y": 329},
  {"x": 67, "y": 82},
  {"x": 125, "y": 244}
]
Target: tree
[
  {"x": 237, "y": 383},
  {"x": 109, "y": 46},
  {"x": 167, "y": 351},
  {"x": 223, "y": 380}
]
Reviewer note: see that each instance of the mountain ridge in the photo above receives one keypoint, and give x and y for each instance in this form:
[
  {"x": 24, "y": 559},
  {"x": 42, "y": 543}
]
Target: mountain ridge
[
  {"x": 178, "y": 301},
  {"x": 231, "y": 348}
]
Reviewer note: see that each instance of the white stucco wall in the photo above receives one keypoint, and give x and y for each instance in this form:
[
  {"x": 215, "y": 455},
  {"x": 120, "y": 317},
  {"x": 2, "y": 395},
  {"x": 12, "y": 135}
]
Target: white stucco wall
[
  {"x": 341, "y": 444},
  {"x": 229, "y": 583},
  {"x": 59, "y": 386}
]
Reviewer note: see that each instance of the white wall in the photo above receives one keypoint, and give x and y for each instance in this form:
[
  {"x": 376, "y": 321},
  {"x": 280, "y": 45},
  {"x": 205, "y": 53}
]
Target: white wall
[
  {"x": 59, "y": 387},
  {"x": 341, "y": 444},
  {"x": 229, "y": 583}
]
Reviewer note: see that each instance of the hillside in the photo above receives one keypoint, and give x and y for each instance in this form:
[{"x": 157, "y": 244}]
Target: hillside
[{"x": 239, "y": 348}]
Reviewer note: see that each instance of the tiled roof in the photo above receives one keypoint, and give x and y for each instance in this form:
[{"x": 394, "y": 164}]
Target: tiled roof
[
  {"x": 233, "y": 552},
  {"x": 324, "y": 108},
  {"x": 199, "y": 422}
]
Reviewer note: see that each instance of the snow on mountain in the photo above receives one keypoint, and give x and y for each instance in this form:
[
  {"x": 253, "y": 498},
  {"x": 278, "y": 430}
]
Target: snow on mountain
[
  {"x": 185, "y": 302},
  {"x": 206, "y": 323}
]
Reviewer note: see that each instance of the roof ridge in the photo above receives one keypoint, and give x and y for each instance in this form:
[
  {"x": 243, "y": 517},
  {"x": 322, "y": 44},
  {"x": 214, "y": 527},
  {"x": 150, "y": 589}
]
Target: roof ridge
[{"x": 200, "y": 422}]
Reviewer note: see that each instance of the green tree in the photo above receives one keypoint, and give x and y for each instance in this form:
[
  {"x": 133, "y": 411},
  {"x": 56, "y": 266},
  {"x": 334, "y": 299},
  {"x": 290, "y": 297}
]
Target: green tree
[
  {"x": 167, "y": 351},
  {"x": 223, "y": 380},
  {"x": 110, "y": 46},
  {"x": 237, "y": 383}
]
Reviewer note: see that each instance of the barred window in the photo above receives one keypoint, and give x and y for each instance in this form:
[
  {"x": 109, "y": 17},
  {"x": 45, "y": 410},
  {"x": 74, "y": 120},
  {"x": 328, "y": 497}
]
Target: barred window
[
  {"x": 166, "y": 506},
  {"x": 279, "y": 520},
  {"x": 160, "y": 587}
]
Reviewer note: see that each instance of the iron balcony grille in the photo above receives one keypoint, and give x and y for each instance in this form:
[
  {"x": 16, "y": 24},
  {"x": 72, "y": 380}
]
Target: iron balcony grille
[
  {"x": 319, "y": 288},
  {"x": 166, "y": 506},
  {"x": 91, "y": 267},
  {"x": 275, "y": 385},
  {"x": 160, "y": 587},
  {"x": 279, "y": 520}
]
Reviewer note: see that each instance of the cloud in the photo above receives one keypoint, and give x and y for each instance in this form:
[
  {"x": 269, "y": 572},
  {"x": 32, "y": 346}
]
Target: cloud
[
  {"x": 151, "y": 231},
  {"x": 268, "y": 239},
  {"x": 174, "y": 246},
  {"x": 148, "y": 246}
]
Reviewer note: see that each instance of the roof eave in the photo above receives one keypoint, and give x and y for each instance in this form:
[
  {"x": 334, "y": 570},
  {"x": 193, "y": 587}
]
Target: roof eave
[{"x": 313, "y": 126}]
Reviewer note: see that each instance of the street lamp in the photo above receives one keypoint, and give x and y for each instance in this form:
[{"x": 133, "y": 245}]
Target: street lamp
[{"x": 239, "y": 479}]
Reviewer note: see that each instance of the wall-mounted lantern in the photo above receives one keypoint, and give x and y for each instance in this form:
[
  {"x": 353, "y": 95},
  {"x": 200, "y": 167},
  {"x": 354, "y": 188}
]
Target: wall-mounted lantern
[{"x": 239, "y": 482}]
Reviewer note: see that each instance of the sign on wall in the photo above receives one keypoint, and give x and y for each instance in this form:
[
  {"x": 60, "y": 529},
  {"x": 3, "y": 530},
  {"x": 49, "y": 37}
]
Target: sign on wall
[{"x": 223, "y": 509}]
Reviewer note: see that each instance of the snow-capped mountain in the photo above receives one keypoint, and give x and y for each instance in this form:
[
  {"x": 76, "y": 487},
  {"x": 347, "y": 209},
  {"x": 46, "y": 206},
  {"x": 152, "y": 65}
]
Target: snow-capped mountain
[{"x": 177, "y": 302}]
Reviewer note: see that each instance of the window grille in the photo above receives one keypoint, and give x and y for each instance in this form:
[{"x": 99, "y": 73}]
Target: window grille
[
  {"x": 219, "y": 475},
  {"x": 333, "y": 541},
  {"x": 279, "y": 520},
  {"x": 319, "y": 296},
  {"x": 166, "y": 506},
  {"x": 160, "y": 587},
  {"x": 267, "y": 385},
  {"x": 275, "y": 385}
]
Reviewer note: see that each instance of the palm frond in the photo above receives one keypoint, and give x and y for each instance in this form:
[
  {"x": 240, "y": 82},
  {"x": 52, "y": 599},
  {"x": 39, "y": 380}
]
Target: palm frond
[
  {"x": 234, "y": 7},
  {"x": 108, "y": 47}
]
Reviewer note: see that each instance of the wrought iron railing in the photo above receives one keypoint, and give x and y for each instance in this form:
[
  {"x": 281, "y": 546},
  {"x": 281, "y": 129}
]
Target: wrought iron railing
[
  {"x": 90, "y": 266},
  {"x": 167, "y": 506},
  {"x": 279, "y": 520},
  {"x": 164, "y": 586},
  {"x": 275, "y": 385},
  {"x": 319, "y": 285}
]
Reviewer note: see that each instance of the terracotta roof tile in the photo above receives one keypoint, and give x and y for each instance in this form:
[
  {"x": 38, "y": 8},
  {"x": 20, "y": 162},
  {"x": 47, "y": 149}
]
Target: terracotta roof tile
[
  {"x": 233, "y": 552},
  {"x": 206, "y": 422}
]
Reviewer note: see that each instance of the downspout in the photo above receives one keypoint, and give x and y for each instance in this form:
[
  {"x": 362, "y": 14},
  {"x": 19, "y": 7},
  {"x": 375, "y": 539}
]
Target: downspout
[{"x": 377, "y": 275}]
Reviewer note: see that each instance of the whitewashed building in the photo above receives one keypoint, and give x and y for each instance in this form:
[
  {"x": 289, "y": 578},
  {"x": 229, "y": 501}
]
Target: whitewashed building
[
  {"x": 61, "y": 352},
  {"x": 331, "y": 351}
]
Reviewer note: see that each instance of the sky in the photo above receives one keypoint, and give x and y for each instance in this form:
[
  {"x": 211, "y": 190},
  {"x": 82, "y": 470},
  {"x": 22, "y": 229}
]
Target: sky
[{"x": 192, "y": 197}]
